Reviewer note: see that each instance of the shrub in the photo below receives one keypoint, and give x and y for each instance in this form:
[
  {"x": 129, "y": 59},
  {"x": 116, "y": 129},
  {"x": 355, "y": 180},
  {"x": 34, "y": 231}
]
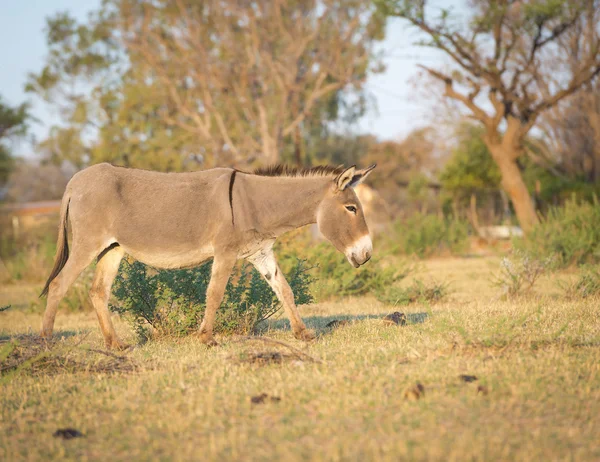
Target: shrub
[
  {"x": 172, "y": 302},
  {"x": 571, "y": 233},
  {"x": 334, "y": 276},
  {"x": 337, "y": 278},
  {"x": 587, "y": 284},
  {"x": 426, "y": 235},
  {"x": 418, "y": 291},
  {"x": 519, "y": 273}
]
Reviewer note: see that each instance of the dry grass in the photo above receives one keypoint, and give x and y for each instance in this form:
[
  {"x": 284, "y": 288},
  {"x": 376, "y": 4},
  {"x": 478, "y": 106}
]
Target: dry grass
[{"x": 375, "y": 391}]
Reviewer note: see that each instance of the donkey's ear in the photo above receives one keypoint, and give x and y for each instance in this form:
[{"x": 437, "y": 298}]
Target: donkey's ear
[
  {"x": 344, "y": 178},
  {"x": 361, "y": 175}
]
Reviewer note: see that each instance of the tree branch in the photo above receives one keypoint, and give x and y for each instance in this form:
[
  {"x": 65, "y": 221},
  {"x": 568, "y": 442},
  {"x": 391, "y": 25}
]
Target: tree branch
[{"x": 468, "y": 101}]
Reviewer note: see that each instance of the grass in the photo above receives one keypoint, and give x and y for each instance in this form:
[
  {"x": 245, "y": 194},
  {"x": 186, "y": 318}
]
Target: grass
[{"x": 536, "y": 397}]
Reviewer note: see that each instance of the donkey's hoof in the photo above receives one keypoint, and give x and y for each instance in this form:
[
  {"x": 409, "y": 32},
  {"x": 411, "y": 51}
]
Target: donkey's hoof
[
  {"x": 208, "y": 340},
  {"x": 117, "y": 345},
  {"x": 211, "y": 343},
  {"x": 45, "y": 335},
  {"x": 306, "y": 335}
]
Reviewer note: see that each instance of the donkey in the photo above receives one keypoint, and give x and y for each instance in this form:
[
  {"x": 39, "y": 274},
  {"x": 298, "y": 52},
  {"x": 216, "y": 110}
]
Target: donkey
[{"x": 178, "y": 220}]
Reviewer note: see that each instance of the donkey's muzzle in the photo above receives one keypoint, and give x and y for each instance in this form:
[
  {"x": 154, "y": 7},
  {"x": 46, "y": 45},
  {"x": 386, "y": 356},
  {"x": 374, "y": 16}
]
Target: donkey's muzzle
[{"x": 360, "y": 252}]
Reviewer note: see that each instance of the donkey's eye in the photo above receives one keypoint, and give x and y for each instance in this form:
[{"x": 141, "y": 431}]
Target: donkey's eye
[{"x": 351, "y": 208}]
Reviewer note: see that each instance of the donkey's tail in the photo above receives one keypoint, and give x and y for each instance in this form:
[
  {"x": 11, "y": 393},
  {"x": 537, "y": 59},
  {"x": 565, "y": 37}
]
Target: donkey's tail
[{"x": 62, "y": 245}]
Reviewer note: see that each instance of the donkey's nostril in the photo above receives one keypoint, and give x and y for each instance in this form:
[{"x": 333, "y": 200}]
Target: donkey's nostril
[{"x": 367, "y": 256}]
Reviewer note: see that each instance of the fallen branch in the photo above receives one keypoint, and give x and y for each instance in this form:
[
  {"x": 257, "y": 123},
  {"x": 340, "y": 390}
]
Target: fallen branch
[{"x": 299, "y": 353}]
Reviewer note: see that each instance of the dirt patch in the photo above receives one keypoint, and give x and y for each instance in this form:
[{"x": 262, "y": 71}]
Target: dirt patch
[
  {"x": 396, "y": 318},
  {"x": 263, "y": 398},
  {"x": 285, "y": 352},
  {"x": 263, "y": 358},
  {"x": 34, "y": 356},
  {"x": 414, "y": 393},
  {"x": 67, "y": 433},
  {"x": 482, "y": 390}
]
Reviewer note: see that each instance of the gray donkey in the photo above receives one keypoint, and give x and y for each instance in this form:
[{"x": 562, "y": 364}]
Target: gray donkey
[{"x": 178, "y": 220}]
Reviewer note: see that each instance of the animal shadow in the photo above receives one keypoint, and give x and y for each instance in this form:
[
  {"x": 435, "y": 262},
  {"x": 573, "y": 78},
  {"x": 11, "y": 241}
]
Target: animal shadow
[{"x": 323, "y": 325}]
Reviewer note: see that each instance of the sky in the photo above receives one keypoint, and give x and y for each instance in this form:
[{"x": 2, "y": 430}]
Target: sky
[{"x": 396, "y": 111}]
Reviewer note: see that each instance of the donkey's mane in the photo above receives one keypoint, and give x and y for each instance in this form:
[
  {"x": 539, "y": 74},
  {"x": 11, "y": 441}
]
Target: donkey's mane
[{"x": 288, "y": 171}]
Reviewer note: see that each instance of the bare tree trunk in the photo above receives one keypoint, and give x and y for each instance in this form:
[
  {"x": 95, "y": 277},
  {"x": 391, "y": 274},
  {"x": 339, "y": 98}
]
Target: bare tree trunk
[
  {"x": 594, "y": 118},
  {"x": 473, "y": 214},
  {"x": 269, "y": 144},
  {"x": 513, "y": 184}
]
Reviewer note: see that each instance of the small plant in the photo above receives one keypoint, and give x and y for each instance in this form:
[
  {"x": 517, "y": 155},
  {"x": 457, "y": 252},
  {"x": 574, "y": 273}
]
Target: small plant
[
  {"x": 172, "y": 302},
  {"x": 418, "y": 291},
  {"x": 571, "y": 233},
  {"x": 586, "y": 286},
  {"x": 519, "y": 273}
]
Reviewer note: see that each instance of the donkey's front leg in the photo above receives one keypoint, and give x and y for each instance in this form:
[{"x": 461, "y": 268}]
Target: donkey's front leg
[
  {"x": 221, "y": 269},
  {"x": 265, "y": 263}
]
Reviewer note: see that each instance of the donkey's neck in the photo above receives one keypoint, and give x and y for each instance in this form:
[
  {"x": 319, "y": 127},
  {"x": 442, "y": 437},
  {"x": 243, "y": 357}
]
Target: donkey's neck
[{"x": 281, "y": 203}]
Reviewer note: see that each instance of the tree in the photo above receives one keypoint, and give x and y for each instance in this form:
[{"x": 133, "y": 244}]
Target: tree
[
  {"x": 31, "y": 182},
  {"x": 572, "y": 130},
  {"x": 220, "y": 81},
  {"x": 470, "y": 169},
  {"x": 501, "y": 52},
  {"x": 13, "y": 124},
  {"x": 407, "y": 168}
]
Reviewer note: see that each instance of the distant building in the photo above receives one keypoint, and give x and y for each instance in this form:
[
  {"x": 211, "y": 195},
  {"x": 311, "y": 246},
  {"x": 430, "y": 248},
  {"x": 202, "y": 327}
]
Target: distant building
[{"x": 27, "y": 215}]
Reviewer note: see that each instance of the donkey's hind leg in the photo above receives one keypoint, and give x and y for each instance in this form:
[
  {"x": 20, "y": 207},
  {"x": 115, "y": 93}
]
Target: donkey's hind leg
[
  {"x": 106, "y": 271},
  {"x": 221, "y": 270},
  {"x": 57, "y": 289}
]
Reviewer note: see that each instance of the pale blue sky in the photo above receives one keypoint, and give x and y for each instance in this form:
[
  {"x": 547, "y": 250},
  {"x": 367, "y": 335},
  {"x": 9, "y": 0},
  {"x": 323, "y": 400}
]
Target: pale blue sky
[{"x": 23, "y": 48}]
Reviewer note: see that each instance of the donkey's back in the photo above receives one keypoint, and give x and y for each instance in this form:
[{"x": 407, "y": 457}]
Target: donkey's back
[{"x": 147, "y": 213}]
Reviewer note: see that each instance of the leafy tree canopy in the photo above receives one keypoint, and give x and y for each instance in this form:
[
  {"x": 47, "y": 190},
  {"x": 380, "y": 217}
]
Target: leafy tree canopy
[
  {"x": 14, "y": 123},
  {"x": 169, "y": 84}
]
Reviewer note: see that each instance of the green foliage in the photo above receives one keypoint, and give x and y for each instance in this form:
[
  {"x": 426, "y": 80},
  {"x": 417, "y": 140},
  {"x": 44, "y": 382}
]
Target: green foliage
[
  {"x": 172, "y": 302},
  {"x": 337, "y": 278},
  {"x": 426, "y": 235},
  {"x": 418, "y": 292},
  {"x": 471, "y": 168},
  {"x": 570, "y": 232},
  {"x": 14, "y": 123},
  {"x": 587, "y": 284},
  {"x": 334, "y": 276},
  {"x": 417, "y": 187},
  {"x": 519, "y": 273},
  {"x": 556, "y": 189},
  {"x": 140, "y": 108}
]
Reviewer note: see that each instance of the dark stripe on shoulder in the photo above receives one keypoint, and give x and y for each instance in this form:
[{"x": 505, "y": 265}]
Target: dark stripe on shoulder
[{"x": 231, "y": 181}]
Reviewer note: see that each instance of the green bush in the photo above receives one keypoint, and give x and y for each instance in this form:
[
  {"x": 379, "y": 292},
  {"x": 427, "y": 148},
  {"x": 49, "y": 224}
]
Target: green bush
[
  {"x": 172, "y": 302},
  {"x": 587, "y": 284},
  {"x": 334, "y": 276},
  {"x": 571, "y": 233},
  {"x": 427, "y": 235}
]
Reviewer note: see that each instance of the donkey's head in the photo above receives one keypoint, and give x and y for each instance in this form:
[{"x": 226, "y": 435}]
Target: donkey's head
[{"x": 341, "y": 219}]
